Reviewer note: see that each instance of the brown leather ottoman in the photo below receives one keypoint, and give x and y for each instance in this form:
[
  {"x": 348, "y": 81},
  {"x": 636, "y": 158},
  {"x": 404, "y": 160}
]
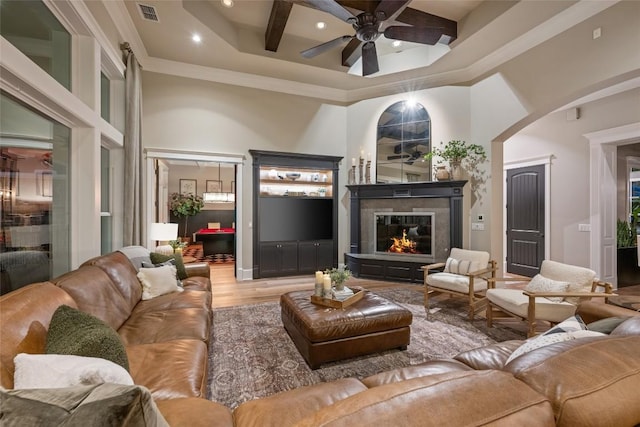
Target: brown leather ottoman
[{"x": 324, "y": 334}]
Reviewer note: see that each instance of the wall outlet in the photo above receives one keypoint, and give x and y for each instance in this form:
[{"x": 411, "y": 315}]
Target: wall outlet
[
  {"x": 584, "y": 227},
  {"x": 477, "y": 226}
]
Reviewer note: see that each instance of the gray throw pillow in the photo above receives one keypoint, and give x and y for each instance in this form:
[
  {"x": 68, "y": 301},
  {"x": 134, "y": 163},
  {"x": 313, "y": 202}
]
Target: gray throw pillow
[
  {"x": 75, "y": 332},
  {"x": 103, "y": 404},
  {"x": 606, "y": 325}
]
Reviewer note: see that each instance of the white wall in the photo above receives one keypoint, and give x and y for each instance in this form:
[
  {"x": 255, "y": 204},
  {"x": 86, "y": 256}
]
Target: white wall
[
  {"x": 554, "y": 135},
  {"x": 205, "y": 117}
]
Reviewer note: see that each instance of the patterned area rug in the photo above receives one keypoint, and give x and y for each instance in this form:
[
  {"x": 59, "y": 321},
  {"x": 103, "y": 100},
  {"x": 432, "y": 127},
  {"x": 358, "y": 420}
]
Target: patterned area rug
[
  {"x": 197, "y": 252},
  {"x": 252, "y": 356}
]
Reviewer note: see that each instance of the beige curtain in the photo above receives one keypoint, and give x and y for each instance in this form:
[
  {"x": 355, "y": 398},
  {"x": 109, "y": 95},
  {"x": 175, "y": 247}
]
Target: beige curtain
[{"x": 134, "y": 229}]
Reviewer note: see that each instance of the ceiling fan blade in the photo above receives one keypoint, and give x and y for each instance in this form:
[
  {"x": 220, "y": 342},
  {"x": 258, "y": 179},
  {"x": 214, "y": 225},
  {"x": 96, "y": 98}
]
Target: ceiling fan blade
[
  {"x": 321, "y": 48},
  {"x": 351, "y": 52},
  {"x": 424, "y": 35},
  {"x": 369, "y": 59},
  {"x": 392, "y": 8},
  {"x": 333, "y": 8}
]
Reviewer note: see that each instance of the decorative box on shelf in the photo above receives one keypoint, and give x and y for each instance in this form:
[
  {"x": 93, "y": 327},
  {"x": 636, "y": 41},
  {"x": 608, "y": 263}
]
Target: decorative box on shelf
[{"x": 358, "y": 293}]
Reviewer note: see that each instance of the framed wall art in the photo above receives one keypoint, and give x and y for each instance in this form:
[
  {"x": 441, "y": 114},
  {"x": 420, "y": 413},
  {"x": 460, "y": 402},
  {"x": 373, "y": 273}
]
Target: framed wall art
[
  {"x": 214, "y": 186},
  {"x": 188, "y": 186}
]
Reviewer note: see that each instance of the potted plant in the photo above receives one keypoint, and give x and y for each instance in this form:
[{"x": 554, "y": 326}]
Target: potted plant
[
  {"x": 185, "y": 205},
  {"x": 628, "y": 270},
  {"x": 458, "y": 154},
  {"x": 338, "y": 277}
]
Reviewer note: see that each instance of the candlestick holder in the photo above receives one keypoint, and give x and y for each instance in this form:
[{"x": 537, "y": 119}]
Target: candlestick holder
[
  {"x": 367, "y": 173},
  {"x": 352, "y": 175},
  {"x": 361, "y": 171}
]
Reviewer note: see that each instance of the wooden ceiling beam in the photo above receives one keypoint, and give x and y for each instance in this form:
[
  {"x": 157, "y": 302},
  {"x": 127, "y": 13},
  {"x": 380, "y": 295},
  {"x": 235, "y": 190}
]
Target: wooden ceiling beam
[
  {"x": 277, "y": 22},
  {"x": 418, "y": 18}
]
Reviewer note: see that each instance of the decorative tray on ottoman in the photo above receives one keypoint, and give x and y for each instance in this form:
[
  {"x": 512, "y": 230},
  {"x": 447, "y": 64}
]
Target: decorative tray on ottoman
[{"x": 358, "y": 293}]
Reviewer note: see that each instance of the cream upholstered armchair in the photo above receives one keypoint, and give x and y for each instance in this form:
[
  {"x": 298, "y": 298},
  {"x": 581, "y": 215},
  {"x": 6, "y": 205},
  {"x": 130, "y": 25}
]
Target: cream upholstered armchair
[
  {"x": 551, "y": 296},
  {"x": 465, "y": 274}
]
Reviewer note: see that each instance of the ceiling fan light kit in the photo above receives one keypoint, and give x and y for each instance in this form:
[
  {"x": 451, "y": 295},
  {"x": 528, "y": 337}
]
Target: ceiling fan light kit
[{"x": 369, "y": 26}]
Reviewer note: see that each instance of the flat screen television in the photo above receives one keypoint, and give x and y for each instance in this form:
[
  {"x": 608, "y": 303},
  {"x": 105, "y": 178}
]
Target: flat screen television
[{"x": 294, "y": 218}]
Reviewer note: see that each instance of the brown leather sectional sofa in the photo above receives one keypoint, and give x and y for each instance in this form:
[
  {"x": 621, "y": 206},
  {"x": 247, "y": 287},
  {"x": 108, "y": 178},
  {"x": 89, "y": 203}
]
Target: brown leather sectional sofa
[
  {"x": 583, "y": 382},
  {"x": 166, "y": 338}
]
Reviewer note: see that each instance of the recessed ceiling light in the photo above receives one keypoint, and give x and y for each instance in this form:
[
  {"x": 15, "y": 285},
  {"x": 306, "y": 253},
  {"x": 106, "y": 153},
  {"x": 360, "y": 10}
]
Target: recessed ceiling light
[
  {"x": 227, "y": 3},
  {"x": 396, "y": 43},
  {"x": 321, "y": 25},
  {"x": 196, "y": 38}
]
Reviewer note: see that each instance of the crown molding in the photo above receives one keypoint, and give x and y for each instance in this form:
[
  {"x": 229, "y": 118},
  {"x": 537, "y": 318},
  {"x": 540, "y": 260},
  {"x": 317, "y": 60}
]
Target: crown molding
[
  {"x": 236, "y": 78},
  {"x": 408, "y": 81}
]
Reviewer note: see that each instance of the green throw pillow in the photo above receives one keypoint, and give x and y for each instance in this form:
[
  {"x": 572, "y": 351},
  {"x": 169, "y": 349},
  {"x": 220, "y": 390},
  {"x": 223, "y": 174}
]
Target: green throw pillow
[
  {"x": 75, "y": 332},
  {"x": 157, "y": 258}
]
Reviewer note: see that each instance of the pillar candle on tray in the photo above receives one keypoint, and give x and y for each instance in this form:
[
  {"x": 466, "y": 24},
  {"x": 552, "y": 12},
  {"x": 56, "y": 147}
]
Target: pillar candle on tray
[
  {"x": 326, "y": 285},
  {"x": 319, "y": 283}
]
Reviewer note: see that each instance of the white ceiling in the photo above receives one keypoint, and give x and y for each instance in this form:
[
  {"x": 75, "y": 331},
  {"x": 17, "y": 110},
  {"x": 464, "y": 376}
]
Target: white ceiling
[{"x": 232, "y": 47}]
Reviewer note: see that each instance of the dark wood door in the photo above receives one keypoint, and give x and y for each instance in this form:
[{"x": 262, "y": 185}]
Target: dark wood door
[
  {"x": 325, "y": 254},
  {"x": 307, "y": 257},
  {"x": 269, "y": 259},
  {"x": 525, "y": 220},
  {"x": 289, "y": 257}
]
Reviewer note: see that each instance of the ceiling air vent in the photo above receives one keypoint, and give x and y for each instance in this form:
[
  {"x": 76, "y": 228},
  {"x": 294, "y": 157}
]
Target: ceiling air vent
[{"x": 148, "y": 12}]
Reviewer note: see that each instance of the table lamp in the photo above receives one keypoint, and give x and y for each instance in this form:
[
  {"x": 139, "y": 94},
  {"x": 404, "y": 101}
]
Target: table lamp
[{"x": 163, "y": 232}]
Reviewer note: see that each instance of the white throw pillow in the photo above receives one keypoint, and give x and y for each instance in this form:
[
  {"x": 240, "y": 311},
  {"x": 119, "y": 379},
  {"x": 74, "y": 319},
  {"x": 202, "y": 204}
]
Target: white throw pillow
[
  {"x": 539, "y": 283},
  {"x": 58, "y": 371},
  {"x": 158, "y": 281},
  {"x": 460, "y": 266},
  {"x": 545, "y": 340}
]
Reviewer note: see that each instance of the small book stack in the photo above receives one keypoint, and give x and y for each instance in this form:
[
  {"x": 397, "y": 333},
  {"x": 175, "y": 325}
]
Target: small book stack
[{"x": 342, "y": 295}]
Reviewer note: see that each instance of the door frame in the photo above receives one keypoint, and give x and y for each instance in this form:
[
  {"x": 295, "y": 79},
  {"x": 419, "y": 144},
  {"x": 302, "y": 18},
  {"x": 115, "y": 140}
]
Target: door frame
[
  {"x": 235, "y": 159},
  {"x": 516, "y": 164},
  {"x": 603, "y": 147}
]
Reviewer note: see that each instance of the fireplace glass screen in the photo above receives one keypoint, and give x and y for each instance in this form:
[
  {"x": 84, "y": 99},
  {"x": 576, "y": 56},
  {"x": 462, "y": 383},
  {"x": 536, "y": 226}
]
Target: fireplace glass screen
[{"x": 404, "y": 233}]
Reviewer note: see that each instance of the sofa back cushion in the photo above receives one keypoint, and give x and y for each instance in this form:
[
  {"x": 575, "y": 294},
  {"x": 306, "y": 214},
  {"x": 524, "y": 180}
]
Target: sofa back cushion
[
  {"x": 470, "y": 398},
  {"x": 122, "y": 273},
  {"x": 25, "y": 315},
  {"x": 95, "y": 293},
  {"x": 586, "y": 379}
]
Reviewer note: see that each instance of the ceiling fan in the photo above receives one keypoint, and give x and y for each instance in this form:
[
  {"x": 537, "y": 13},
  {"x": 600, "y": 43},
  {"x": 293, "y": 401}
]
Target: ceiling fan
[{"x": 369, "y": 26}]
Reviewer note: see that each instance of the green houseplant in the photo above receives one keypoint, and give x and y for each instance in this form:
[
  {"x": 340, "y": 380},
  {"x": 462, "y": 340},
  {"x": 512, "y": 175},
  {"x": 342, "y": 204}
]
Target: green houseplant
[
  {"x": 628, "y": 271},
  {"x": 338, "y": 276},
  {"x": 184, "y": 206},
  {"x": 458, "y": 154}
]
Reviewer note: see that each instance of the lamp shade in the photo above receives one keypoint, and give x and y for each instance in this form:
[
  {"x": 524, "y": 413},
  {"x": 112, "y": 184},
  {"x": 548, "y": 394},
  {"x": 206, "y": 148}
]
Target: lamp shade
[{"x": 163, "y": 231}]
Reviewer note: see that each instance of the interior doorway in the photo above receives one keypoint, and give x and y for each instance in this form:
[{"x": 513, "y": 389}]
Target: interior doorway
[
  {"x": 212, "y": 232},
  {"x": 525, "y": 219},
  {"x": 526, "y": 216}
]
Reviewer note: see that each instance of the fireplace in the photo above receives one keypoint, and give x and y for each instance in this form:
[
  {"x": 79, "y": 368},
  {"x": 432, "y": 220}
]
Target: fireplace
[
  {"x": 425, "y": 218},
  {"x": 408, "y": 233}
]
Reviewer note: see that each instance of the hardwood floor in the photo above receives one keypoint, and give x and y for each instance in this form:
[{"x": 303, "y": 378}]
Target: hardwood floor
[{"x": 228, "y": 292}]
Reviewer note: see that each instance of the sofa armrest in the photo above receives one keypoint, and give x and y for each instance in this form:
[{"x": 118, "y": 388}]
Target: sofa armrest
[
  {"x": 198, "y": 269},
  {"x": 590, "y": 311}
]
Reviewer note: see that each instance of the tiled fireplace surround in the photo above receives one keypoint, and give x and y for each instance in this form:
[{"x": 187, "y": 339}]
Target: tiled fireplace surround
[{"x": 443, "y": 198}]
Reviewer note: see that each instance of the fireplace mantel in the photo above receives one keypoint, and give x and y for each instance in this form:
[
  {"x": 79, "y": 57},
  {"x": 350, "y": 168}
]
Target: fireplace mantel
[{"x": 382, "y": 266}]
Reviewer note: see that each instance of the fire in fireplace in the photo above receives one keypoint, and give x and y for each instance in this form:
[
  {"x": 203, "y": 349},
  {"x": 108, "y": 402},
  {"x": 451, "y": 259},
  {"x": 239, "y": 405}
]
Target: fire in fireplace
[{"x": 404, "y": 232}]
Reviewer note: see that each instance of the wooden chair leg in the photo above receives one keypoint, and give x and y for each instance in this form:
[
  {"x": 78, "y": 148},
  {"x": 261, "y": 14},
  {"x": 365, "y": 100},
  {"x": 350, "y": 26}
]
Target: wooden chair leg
[
  {"x": 489, "y": 315},
  {"x": 426, "y": 298}
]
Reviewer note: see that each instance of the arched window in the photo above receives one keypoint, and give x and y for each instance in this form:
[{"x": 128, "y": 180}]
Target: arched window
[{"x": 404, "y": 137}]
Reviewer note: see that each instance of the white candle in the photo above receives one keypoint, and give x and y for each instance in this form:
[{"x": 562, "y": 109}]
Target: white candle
[
  {"x": 319, "y": 277},
  {"x": 368, "y": 157},
  {"x": 362, "y": 154},
  {"x": 326, "y": 283},
  {"x": 353, "y": 161}
]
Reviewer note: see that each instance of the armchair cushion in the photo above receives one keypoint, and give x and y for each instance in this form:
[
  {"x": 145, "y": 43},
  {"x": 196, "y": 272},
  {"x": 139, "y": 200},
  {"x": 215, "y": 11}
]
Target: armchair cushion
[
  {"x": 514, "y": 301},
  {"x": 539, "y": 283},
  {"x": 455, "y": 282}
]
